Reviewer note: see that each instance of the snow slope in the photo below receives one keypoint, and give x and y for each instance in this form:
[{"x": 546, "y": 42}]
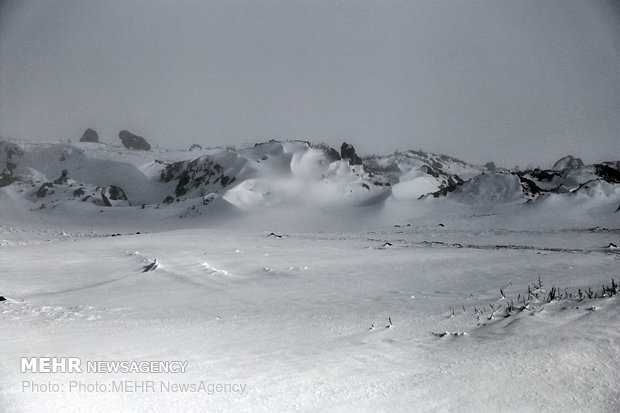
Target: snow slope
[{"x": 303, "y": 287}]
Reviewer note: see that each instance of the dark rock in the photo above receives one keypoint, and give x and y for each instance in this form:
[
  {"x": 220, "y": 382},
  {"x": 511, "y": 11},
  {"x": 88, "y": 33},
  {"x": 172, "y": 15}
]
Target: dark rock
[
  {"x": 62, "y": 179},
  {"x": 44, "y": 190},
  {"x": 226, "y": 180},
  {"x": 490, "y": 166},
  {"x": 132, "y": 141},
  {"x": 429, "y": 171},
  {"x": 195, "y": 147},
  {"x": 568, "y": 161},
  {"x": 541, "y": 175},
  {"x": 529, "y": 187},
  {"x": 333, "y": 154},
  {"x": 348, "y": 152},
  {"x": 608, "y": 174},
  {"x": 78, "y": 192},
  {"x": 6, "y": 178},
  {"x": 168, "y": 200},
  {"x": 454, "y": 182},
  {"x": 151, "y": 266},
  {"x": 2, "y": 298},
  {"x": 89, "y": 135},
  {"x": 173, "y": 171},
  {"x": 114, "y": 196},
  {"x": 436, "y": 165},
  {"x": 200, "y": 172}
]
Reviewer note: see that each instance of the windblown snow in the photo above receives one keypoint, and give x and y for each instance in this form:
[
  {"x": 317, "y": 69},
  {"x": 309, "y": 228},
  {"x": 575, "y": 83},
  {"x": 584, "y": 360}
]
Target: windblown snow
[{"x": 289, "y": 277}]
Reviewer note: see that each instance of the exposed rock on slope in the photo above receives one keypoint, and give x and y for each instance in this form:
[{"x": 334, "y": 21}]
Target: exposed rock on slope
[
  {"x": 347, "y": 151},
  {"x": 6, "y": 178},
  {"x": 63, "y": 178},
  {"x": 114, "y": 196},
  {"x": 199, "y": 173},
  {"x": 608, "y": 173},
  {"x": 89, "y": 135},
  {"x": 132, "y": 141},
  {"x": 44, "y": 190}
]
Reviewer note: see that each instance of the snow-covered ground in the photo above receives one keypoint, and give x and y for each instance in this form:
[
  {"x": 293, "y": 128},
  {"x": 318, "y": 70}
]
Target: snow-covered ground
[{"x": 296, "y": 288}]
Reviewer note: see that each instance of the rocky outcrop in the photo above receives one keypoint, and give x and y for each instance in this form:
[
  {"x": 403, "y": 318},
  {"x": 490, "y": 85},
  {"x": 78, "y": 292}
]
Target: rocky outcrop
[
  {"x": 347, "y": 151},
  {"x": 78, "y": 192},
  {"x": 44, "y": 190},
  {"x": 568, "y": 161},
  {"x": 333, "y": 155},
  {"x": 201, "y": 172},
  {"x": 607, "y": 173},
  {"x": 429, "y": 171},
  {"x": 114, "y": 196},
  {"x": 132, "y": 141},
  {"x": 195, "y": 147},
  {"x": 6, "y": 178},
  {"x": 63, "y": 179},
  {"x": 90, "y": 135}
]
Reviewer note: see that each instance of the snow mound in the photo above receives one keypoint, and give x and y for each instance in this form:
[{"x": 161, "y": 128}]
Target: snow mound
[
  {"x": 416, "y": 187},
  {"x": 439, "y": 172},
  {"x": 492, "y": 188},
  {"x": 598, "y": 189},
  {"x": 309, "y": 178}
]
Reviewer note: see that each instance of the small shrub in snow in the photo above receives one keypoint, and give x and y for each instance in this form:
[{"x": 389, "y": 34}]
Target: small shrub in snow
[{"x": 536, "y": 298}]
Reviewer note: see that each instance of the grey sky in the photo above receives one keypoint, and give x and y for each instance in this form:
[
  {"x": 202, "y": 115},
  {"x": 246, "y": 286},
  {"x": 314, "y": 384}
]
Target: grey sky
[{"x": 517, "y": 82}]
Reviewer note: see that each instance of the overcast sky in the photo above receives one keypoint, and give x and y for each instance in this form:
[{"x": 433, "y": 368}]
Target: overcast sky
[{"x": 519, "y": 82}]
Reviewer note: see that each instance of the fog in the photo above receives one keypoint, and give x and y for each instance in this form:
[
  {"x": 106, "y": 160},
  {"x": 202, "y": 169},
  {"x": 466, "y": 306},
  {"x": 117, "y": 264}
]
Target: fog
[{"x": 517, "y": 82}]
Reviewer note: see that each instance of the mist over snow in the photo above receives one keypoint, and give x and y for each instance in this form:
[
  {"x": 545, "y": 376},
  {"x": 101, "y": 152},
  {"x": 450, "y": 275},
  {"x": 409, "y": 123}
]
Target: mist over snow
[
  {"x": 309, "y": 206},
  {"x": 519, "y": 83}
]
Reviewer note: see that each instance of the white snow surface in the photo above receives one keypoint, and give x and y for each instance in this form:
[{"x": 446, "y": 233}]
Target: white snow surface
[{"x": 283, "y": 283}]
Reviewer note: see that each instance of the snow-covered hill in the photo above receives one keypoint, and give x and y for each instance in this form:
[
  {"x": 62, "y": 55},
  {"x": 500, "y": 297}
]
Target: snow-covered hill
[{"x": 275, "y": 173}]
